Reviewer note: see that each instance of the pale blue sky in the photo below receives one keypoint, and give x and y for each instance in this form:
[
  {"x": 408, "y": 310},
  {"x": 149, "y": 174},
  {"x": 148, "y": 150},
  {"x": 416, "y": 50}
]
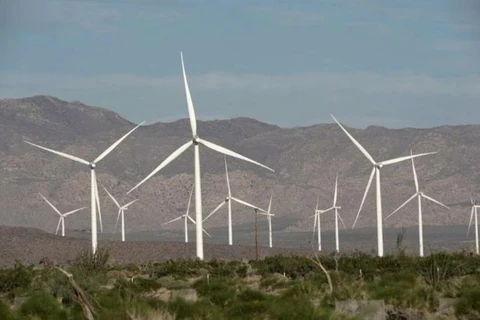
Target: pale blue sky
[{"x": 292, "y": 63}]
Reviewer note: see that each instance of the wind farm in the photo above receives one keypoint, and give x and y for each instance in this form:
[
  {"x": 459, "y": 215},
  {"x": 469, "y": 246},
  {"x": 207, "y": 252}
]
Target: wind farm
[{"x": 247, "y": 192}]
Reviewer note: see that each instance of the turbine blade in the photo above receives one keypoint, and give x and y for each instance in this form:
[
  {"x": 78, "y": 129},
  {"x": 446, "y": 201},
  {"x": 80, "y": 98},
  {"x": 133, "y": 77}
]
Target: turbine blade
[
  {"x": 111, "y": 197},
  {"x": 471, "y": 201},
  {"x": 216, "y": 209},
  {"x": 129, "y": 204},
  {"x": 471, "y": 219},
  {"x": 173, "y": 220},
  {"x": 355, "y": 142},
  {"x": 228, "y": 152},
  {"x": 65, "y": 155},
  {"x": 51, "y": 205},
  {"x": 270, "y": 203},
  {"x": 335, "y": 194},
  {"x": 165, "y": 162},
  {"x": 414, "y": 172},
  {"x": 98, "y": 202},
  {"x": 228, "y": 180},
  {"x": 248, "y": 204},
  {"x": 73, "y": 211},
  {"x": 364, "y": 196},
  {"x": 403, "y": 204},
  {"x": 118, "y": 218},
  {"x": 341, "y": 220},
  {"x": 190, "y": 218},
  {"x": 314, "y": 224},
  {"x": 400, "y": 159},
  {"x": 436, "y": 201},
  {"x": 190, "y": 200},
  {"x": 208, "y": 234},
  {"x": 327, "y": 210},
  {"x": 316, "y": 207},
  {"x": 191, "y": 110},
  {"x": 58, "y": 225},
  {"x": 113, "y": 146}
]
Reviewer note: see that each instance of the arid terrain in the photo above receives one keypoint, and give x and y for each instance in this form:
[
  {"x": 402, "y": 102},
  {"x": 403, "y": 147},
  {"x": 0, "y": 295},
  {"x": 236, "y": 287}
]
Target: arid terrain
[{"x": 305, "y": 162}]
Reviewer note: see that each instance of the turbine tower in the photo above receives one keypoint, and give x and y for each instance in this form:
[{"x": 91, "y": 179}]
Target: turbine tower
[
  {"x": 95, "y": 200},
  {"x": 121, "y": 212},
  {"x": 474, "y": 213},
  {"x": 419, "y": 195},
  {"x": 196, "y": 140},
  {"x": 186, "y": 217},
  {"x": 229, "y": 200},
  {"x": 62, "y": 215},
  {"x": 376, "y": 172}
]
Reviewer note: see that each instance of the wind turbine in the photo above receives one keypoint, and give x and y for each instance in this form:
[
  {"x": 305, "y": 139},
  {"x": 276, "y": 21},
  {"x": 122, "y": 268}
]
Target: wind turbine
[
  {"x": 269, "y": 218},
  {"x": 62, "y": 215},
  {"x": 228, "y": 200},
  {"x": 186, "y": 217},
  {"x": 121, "y": 212},
  {"x": 95, "y": 200},
  {"x": 318, "y": 212},
  {"x": 196, "y": 140},
  {"x": 376, "y": 172},
  {"x": 474, "y": 213},
  {"x": 419, "y": 195}
]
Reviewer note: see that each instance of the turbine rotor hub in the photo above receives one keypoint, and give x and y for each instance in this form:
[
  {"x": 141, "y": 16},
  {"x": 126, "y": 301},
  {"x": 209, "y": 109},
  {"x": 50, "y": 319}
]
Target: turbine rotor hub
[
  {"x": 379, "y": 165},
  {"x": 194, "y": 140},
  {"x": 92, "y": 165}
]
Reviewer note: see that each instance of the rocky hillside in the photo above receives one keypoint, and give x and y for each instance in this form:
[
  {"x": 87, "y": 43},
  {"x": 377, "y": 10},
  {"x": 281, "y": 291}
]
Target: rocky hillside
[{"x": 305, "y": 159}]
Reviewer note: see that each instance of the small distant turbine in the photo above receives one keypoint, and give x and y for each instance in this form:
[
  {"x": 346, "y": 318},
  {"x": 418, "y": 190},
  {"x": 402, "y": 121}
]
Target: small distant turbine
[
  {"x": 376, "y": 172},
  {"x": 121, "y": 212},
  {"x": 95, "y": 200},
  {"x": 419, "y": 195},
  {"x": 474, "y": 213},
  {"x": 337, "y": 217},
  {"x": 227, "y": 200},
  {"x": 62, "y": 215},
  {"x": 186, "y": 217}
]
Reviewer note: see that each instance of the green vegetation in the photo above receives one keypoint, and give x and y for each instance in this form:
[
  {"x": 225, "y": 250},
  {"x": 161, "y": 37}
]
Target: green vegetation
[{"x": 279, "y": 287}]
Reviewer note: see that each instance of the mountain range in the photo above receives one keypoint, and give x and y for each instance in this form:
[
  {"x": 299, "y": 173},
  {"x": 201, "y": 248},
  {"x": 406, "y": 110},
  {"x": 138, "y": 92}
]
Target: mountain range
[{"x": 305, "y": 160}]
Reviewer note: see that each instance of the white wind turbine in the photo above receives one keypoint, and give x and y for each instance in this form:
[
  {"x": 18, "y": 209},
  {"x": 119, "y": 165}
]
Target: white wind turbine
[
  {"x": 62, "y": 215},
  {"x": 95, "y": 200},
  {"x": 121, "y": 212},
  {"x": 186, "y": 217},
  {"x": 269, "y": 218},
  {"x": 227, "y": 200},
  {"x": 419, "y": 195},
  {"x": 474, "y": 213},
  {"x": 376, "y": 172},
  {"x": 196, "y": 140},
  {"x": 318, "y": 212}
]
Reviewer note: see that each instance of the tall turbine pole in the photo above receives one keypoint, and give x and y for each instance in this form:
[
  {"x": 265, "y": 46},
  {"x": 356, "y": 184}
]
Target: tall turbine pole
[
  {"x": 476, "y": 230},
  {"x": 420, "y": 225},
  {"x": 198, "y": 204},
  {"x": 319, "y": 235},
  {"x": 186, "y": 229},
  {"x": 379, "y": 213},
  {"x": 337, "y": 244},
  {"x": 256, "y": 235},
  {"x": 123, "y": 225},
  {"x": 63, "y": 226},
  {"x": 270, "y": 230},
  {"x": 93, "y": 209}
]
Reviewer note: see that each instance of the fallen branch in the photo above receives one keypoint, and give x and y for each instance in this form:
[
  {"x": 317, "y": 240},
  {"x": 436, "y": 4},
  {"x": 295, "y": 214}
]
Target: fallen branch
[
  {"x": 80, "y": 296},
  {"x": 318, "y": 263}
]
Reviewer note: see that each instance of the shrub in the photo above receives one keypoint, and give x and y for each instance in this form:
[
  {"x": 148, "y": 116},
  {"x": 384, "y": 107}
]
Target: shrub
[
  {"x": 90, "y": 262},
  {"x": 44, "y": 306}
]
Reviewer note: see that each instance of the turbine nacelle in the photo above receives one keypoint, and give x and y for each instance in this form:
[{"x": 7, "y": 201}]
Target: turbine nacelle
[
  {"x": 92, "y": 165},
  {"x": 195, "y": 140},
  {"x": 378, "y": 165}
]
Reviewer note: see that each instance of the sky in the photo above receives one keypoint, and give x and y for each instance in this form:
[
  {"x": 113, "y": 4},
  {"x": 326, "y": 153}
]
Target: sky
[{"x": 292, "y": 63}]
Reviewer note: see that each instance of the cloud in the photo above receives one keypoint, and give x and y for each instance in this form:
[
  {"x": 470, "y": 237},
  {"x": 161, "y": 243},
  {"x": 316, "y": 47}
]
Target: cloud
[
  {"x": 290, "y": 17},
  {"x": 456, "y": 45},
  {"x": 360, "y": 99}
]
